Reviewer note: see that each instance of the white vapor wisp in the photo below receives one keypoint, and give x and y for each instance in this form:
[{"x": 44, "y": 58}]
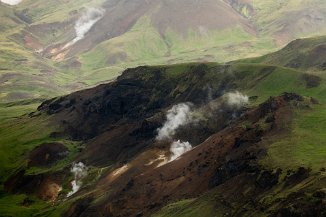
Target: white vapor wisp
[
  {"x": 80, "y": 171},
  {"x": 85, "y": 23},
  {"x": 11, "y": 2},
  {"x": 179, "y": 115},
  {"x": 178, "y": 148},
  {"x": 236, "y": 99}
]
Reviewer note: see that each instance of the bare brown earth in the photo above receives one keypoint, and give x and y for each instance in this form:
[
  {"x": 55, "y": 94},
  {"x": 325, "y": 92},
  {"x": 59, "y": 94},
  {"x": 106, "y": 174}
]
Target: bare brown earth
[{"x": 182, "y": 16}]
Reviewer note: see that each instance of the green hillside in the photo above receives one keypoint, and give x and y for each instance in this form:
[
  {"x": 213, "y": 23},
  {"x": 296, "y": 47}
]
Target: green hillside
[
  {"x": 34, "y": 34},
  {"x": 237, "y": 86}
]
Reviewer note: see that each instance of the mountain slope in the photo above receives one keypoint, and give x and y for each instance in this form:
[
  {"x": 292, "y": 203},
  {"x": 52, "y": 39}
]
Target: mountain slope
[
  {"x": 114, "y": 35},
  {"x": 300, "y": 54}
]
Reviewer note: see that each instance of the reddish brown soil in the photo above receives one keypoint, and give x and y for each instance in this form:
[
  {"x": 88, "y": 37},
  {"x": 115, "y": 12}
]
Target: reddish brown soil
[{"x": 32, "y": 42}]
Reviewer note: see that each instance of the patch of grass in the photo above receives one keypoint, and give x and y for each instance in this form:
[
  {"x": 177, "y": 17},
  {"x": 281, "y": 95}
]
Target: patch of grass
[
  {"x": 278, "y": 81},
  {"x": 188, "y": 208},
  {"x": 14, "y": 110},
  {"x": 305, "y": 145},
  {"x": 18, "y": 137},
  {"x": 12, "y": 205},
  {"x": 98, "y": 76},
  {"x": 177, "y": 70}
]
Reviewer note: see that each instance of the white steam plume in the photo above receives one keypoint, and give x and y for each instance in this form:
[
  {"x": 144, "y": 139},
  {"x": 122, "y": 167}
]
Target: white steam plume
[
  {"x": 11, "y": 2},
  {"x": 85, "y": 23},
  {"x": 179, "y": 115},
  {"x": 178, "y": 148},
  {"x": 80, "y": 171},
  {"x": 236, "y": 99},
  {"x": 185, "y": 113}
]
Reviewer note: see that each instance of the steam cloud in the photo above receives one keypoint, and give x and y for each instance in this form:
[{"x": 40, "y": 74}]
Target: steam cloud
[
  {"x": 11, "y": 2},
  {"x": 85, "y": 23},
  {"x": 236, "y": 99},
  {"x": 178, "y": 148},
  {"x": 185, "y": 113},
  {"x": 179, "y": 115},
  {"x": 80, "y": 171}
]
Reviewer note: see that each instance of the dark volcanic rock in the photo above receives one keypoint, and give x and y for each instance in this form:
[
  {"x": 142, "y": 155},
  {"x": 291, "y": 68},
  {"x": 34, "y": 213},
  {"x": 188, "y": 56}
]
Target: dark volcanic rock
[
  {"x": 296, "y": 177},
  {"x": 77, "y": 208},
  {"x": 268, "y": 179}
]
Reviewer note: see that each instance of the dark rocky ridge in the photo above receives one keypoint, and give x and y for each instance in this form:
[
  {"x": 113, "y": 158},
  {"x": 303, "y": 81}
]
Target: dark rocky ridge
[{"x": 127, "y": 113}]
